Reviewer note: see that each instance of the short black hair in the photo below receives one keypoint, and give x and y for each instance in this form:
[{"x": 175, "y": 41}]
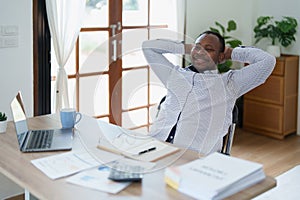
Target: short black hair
[{"x": 220, "y": 37}]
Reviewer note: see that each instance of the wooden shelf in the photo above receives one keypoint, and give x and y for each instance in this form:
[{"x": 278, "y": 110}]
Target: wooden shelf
[{"x": 271, "y": 109}]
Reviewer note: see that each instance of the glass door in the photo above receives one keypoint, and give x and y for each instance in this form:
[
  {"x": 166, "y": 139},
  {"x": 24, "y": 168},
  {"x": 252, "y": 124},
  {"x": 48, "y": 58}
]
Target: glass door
[{"x": 108, "y": 75}]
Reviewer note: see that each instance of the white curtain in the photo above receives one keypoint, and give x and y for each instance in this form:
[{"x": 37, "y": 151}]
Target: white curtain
[{"x": 64, "y": 18}]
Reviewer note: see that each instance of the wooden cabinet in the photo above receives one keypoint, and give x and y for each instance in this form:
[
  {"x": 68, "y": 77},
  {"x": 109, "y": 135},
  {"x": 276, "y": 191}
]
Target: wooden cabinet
[{"x": 271, "y": 109}]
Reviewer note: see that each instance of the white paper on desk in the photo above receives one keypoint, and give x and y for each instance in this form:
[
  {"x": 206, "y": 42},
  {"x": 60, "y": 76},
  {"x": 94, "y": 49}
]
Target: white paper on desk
[
  {"x": 104, "y": 157},
  {"x": 65, "y": 164},
  {"x": 97, "y": 179},
  {"x": 287, "y": 188}
]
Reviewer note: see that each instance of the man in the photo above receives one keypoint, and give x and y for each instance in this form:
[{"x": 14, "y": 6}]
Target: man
[{"x": 199, "y": 101}]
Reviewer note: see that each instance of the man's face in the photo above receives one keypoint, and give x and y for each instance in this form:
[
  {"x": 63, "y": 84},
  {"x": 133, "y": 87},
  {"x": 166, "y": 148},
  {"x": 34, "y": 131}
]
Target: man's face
[{"x": 205, "y": 55}]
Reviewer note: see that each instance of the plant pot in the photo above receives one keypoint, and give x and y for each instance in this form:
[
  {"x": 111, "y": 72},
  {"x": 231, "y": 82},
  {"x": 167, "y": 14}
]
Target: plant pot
[
  {"x": 274, "y": 50},
  {"x": 3, "y": 126}
]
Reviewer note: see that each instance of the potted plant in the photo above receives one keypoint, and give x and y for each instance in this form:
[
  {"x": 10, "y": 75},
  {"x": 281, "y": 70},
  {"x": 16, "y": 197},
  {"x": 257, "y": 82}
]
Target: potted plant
[
  {"x": 229, "y": 40},
  {"x": 280, "y": 32},
  {"x": 3, "y": 122}
]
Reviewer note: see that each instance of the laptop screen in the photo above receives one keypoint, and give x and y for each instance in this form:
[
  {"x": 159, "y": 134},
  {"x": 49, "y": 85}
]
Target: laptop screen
[{"x": 19, "y": 117}]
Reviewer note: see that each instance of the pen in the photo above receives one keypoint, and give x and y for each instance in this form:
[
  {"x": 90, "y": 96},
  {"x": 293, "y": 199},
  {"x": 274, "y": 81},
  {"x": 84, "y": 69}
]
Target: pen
[{"x": 147, "y": 150}]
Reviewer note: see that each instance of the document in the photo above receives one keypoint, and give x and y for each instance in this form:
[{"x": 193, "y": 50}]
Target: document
[
  {"x": 132, "y": 144},
  {"x": 97, "y": 179},
  {"x": 69, "y": 163},
  {"x": 216, "y": 176}
]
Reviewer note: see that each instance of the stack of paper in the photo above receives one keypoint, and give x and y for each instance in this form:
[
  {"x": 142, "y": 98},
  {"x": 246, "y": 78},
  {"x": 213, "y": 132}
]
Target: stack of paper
[{"x": 216, "y": 176}]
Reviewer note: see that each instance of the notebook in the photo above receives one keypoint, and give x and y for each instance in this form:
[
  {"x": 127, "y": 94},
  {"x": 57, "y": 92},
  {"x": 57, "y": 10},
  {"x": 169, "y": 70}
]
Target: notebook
[
  {"x": 37, "y": 140},
  {"x": 132, "y": 144}
]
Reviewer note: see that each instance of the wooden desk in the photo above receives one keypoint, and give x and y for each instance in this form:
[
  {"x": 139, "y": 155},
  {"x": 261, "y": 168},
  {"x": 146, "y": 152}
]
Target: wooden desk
[{"x": 17, "y": 166}]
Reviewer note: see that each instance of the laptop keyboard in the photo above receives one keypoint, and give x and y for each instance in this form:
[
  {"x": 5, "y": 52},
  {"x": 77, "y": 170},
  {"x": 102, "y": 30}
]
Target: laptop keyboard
[{"x": 40, "y": 139}]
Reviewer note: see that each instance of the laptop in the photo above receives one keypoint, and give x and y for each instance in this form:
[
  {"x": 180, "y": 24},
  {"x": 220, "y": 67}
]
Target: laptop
[{"x": 38, "y": 140}]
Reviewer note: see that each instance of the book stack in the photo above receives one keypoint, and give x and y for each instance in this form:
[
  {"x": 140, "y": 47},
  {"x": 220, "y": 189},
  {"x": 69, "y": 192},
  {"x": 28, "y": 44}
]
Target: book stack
[{"x": 216, "y": 176}]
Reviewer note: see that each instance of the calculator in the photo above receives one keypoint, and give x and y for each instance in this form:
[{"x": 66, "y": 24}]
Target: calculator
[{"x": 126, "y": 173}]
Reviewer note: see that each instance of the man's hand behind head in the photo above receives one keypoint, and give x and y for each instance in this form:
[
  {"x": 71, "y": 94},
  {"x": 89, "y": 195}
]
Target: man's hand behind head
[
  {"x": 227, "y": 53},
  {"x": 188, "y": 48}
]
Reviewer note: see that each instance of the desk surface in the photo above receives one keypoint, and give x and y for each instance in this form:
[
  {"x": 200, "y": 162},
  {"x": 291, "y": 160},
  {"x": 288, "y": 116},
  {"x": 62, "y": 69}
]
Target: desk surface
[{"x": 17, "y": 166}]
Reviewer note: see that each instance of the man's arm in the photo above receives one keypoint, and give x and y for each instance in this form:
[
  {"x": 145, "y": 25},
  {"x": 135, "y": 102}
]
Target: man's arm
[
  {"x": 188, "y": 48},
  {"x": 227, "y": 53},
  {"x": 153, "y": 51},
  {"x": 261, "y": 65}
]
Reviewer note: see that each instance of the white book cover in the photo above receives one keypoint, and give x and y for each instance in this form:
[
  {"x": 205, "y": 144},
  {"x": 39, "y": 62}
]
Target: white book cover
[{"x": 216, "y": 176}]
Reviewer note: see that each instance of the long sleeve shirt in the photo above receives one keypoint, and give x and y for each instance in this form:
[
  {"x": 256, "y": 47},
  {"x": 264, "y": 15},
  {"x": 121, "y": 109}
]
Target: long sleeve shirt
[{"x": 204, "y": 100}]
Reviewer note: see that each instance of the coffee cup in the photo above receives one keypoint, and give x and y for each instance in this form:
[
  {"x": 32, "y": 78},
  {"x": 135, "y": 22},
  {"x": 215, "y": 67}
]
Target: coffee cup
[{"x": 69, "y": 117}]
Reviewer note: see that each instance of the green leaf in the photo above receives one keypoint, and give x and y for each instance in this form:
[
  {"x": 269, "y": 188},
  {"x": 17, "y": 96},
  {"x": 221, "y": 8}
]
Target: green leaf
[
  {"x": 282, "y": 31},
  {"x": 231, "y": 26},
  {"x": 224, "y": 67},
  {"x": 234, "y": 43},
  {"x": 221, "y": 27},
  {"x": 214, "y": 30},
  {"x": 229, "y": 40},
  {"x": 3, "y": 117},
  {"x": 263, "y": 20}
]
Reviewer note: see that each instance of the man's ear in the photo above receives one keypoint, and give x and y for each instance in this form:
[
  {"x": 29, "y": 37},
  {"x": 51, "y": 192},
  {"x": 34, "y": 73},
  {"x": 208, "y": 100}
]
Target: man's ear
[{"x": 221, "y": 58}]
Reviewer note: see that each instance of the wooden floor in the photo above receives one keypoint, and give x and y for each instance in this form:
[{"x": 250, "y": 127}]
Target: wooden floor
[{"x": 277, "y": 156}]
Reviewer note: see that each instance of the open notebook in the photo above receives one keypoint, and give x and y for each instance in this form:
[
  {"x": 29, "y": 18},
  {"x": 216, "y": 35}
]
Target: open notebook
[{"x": 132, "y": 144}]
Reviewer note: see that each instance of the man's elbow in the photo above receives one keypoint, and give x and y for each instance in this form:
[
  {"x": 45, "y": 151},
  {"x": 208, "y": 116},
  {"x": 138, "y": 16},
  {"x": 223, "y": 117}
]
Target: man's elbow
[
  {"x": 273, "y": 61},
  {"x": 268, "y": 66},
  {"x": 147, "y": 44},
  {"x": 270, "y": 63}
]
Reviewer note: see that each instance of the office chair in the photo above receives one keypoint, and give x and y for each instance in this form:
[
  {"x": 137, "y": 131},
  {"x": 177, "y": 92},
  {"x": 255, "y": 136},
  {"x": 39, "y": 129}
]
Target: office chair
[{"x": 227, "y": 139}]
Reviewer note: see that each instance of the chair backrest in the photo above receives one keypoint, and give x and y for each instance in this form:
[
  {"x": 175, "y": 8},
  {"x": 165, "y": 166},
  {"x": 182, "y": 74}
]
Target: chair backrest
[
  {"x": 228, "y": 138},
  {"x": 159, "y": 105}
]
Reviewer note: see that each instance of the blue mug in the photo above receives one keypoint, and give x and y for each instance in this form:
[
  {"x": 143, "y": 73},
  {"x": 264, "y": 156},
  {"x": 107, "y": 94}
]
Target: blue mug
[{"x": 69, "y": 117}]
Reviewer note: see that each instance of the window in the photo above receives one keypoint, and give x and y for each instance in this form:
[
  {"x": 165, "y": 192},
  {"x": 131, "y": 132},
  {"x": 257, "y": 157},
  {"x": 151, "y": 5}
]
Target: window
[{"x": 108, "y": 77}]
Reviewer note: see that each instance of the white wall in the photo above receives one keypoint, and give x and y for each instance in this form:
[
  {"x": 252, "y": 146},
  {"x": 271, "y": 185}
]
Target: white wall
[
  {"x": 16, "y": 63},
  {"x": 202, "y": 14},
  {"x": 16, "y": 68},
  {"x": 279, "y": 9}
]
